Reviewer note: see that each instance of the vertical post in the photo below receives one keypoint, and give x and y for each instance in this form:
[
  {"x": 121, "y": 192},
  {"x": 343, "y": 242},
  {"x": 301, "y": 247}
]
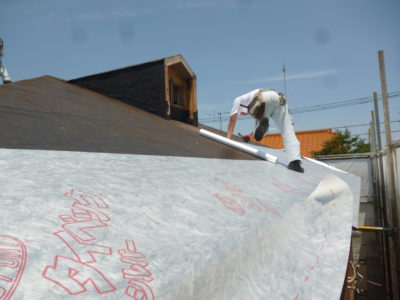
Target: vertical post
[
  {"x": 377, "y": 122},
  {"x": 382, "y": 201},
  {"x": 284, "y": 80},
  {"x": 379, "y": 203},
  {"x": 220, "y": 121},
  {"x": 372, "y": 143},
  {"x": 372, "y": 134},
  {"x": 385, "y": 98},
  {"x": 391, "y": 199},
  {"x": 375, "y": 172}
]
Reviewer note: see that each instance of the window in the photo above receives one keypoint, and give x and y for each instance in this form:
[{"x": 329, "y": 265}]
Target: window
[{"x": 175, "y": 94}]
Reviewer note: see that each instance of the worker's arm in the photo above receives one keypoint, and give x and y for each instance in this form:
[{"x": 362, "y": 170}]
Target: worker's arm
[{"x": 231, "y": 125}]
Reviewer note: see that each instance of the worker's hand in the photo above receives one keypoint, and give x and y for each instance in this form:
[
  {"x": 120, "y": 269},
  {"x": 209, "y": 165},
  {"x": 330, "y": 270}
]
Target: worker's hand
[{"x": 246, "y": 138}]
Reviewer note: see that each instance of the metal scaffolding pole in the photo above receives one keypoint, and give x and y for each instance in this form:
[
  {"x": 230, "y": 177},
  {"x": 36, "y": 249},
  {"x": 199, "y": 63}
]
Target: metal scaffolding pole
[
  {"x": 377, "y": 122},
  {"x": 377, "y": 173},
  {"x": 392, "y": 212}
]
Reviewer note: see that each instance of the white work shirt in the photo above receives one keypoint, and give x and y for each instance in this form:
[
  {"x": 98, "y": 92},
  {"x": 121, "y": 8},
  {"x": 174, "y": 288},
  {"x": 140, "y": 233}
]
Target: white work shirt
[{"x": 244, "y": 100}]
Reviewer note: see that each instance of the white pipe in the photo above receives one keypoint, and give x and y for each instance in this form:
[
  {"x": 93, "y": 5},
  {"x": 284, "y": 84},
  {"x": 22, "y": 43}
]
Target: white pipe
[{"x": 239, "y": 146}]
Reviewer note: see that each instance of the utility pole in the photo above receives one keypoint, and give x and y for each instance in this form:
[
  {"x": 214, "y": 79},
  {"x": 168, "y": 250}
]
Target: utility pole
[
  {"x": 392, "y": 212},
  {"x": 284, "y": 79},
  {"x": 220, "y": 121}
]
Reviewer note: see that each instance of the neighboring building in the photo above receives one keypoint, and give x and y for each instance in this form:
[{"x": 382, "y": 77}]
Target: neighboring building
[
  {"x": 165, "y": 87},
  {"x": 310, "y": 140}
]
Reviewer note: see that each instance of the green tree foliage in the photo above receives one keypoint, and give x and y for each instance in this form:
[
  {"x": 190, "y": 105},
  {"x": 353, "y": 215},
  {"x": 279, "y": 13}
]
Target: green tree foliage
[{"x": 343, "y": 143}]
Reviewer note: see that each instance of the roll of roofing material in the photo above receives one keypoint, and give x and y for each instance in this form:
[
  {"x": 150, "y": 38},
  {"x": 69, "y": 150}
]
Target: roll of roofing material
[{"x": 239, "y": 146}]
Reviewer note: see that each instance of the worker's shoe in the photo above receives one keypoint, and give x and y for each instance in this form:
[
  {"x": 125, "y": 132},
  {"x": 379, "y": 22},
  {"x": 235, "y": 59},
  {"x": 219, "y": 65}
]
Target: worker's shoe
[
  {"x": 7, "y": 81},
  {"x": 295, "y": 165},
  {"x": 261, "y": 129}
]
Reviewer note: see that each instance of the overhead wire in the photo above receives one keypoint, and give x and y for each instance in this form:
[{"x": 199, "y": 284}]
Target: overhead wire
[
  {"x": 225, "y": 115},
  {"x": 339, "y": 104},
  {"x": 360, "y": 125}
]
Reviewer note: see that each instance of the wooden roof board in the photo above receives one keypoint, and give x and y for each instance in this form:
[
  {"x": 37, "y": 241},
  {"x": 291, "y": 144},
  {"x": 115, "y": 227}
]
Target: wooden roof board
[{"x": 50, "y": 114}]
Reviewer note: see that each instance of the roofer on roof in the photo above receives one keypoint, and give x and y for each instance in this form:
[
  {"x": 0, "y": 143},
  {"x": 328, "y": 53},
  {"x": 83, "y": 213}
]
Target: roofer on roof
[
  {"x": 263, "y": 104},
  {"x": 3, "y": 70}
]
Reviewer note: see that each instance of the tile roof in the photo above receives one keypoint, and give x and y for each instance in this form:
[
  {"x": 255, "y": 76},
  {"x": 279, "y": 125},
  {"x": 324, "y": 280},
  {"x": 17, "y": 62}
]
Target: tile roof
[{"x": 310, "y": 140}]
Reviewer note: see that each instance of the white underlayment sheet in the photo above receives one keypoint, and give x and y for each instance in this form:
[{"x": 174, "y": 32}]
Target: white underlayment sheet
[{"x": 107, "y": 226}]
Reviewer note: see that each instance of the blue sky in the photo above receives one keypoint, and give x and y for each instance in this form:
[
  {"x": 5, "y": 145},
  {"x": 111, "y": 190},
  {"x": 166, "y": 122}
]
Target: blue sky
[{"x": 330, "y": 48}]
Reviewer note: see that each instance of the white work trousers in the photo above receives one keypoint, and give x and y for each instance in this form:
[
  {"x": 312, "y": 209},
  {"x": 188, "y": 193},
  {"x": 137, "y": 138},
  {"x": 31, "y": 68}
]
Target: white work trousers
[
  {"x": 3, "y": 72},
  {"x": 283, "y": 121}
]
